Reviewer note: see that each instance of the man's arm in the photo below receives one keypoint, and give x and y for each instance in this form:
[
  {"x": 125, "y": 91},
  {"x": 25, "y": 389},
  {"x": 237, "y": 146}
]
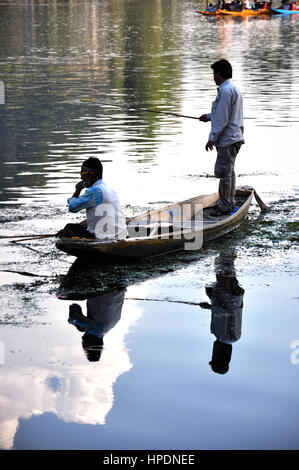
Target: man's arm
[
  {"x": 221, "y": 115},
  {"x": 93, "y": 196}
]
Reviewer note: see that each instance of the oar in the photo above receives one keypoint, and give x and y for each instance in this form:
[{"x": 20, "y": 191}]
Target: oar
[
  {"x": 32, "y": 235},
  {"x": 22, "y": 273},
  {"x": 35, "y": 237},
  {"x": 246, "y": 190},
  {"x": 263, "y": 206}
]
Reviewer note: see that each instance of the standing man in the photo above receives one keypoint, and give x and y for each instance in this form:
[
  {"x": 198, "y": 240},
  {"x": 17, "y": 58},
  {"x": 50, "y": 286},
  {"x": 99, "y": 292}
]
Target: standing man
[
  {"x": 226, "y": 134},
  {"x": 104, "y": 218}
]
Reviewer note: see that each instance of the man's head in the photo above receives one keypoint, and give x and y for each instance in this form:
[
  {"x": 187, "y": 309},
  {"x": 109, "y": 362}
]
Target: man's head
[
  {"x": 91, "y": 171},
  {"x": 222, "y": 71}
]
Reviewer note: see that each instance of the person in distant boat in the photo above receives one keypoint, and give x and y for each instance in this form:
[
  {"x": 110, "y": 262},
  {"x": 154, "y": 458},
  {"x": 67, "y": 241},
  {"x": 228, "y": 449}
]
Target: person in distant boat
[
  {"x": 285, "y": 5},
  {"x": 104, "y": 218},
  {"x": 226, "y": 134},
  {"x": 225, "y": 6},
  {"x": 211, "y": 7}
]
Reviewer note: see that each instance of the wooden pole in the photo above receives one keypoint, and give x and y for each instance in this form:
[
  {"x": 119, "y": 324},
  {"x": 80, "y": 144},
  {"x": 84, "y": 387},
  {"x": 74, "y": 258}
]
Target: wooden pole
[
  {"x": 144, "y": 110},
  {"x": 33, "y": 238},
  {"x": 33, "y": 235}
]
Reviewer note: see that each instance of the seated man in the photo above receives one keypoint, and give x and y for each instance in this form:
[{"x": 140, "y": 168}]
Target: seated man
[
  {"x": 104, "y": 218},
  {"x": 211, "y": 7}
]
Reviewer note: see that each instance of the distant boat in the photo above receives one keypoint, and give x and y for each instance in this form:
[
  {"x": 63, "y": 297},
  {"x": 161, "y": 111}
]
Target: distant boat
[
  {"x": 245, "y": 12},
  {"x": 164, "y": 233},
  {"x": 209, "y": 12},
  {"x": 284, "y": 12}
]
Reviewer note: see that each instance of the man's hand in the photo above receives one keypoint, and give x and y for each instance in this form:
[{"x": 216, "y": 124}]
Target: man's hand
[
  {"x": 203, "y": 118},
  {"x": 205, "y": 305},
  {"x": 79, "y": 187},
  {"x": 209, "y": 145}
]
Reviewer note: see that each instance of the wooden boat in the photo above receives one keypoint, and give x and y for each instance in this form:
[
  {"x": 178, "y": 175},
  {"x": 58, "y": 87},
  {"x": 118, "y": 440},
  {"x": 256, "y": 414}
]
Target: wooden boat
[
  {"x": 245, "y": 12},
  {"x": 160, "y": 231},
  {"x": 209, "y": 13},
  {"x": 284, "y": 12}
]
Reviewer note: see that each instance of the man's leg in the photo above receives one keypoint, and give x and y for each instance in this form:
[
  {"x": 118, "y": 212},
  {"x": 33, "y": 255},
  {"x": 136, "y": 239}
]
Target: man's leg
[
  {"x": 224, "y": 170},
  {"x": 75, "y": 230}
]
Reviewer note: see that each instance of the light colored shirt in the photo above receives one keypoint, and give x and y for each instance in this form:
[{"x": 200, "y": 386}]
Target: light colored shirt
[
  {"x": 227, "y": 116},
  {"x": 103, "y": 212},
  {"x": 103, "y": 313},
  {"x": 226, "y": 319}
]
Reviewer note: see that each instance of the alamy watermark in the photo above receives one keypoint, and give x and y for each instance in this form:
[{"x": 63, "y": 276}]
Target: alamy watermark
[
  {"x": 179, "y": 222},
  {"x": 2, "y": 92},
  {"x": 2, "y": 352},
  {"x": 295, "y": 353}
]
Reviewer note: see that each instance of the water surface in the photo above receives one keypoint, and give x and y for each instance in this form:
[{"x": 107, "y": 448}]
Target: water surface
[{"x": 75, "y": 74}]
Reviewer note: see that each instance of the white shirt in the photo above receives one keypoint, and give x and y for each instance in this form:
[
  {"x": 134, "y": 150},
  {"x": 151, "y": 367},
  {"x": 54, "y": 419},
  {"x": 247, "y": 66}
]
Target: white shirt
[
  {"x": 227, "y": 116},
  {"x": 103, "y": 212}
]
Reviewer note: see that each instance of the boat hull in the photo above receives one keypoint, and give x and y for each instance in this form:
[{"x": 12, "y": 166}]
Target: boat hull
[
  {"x": 284, "y": 12},
  {"x": 189, "y": 238},
  {"x": 245, "y": 12},
  {"x": 209, "y": 13}
]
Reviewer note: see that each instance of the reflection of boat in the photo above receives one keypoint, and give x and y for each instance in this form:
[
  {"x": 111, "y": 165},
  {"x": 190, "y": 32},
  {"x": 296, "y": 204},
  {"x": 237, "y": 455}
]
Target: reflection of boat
[
  {"x": 245, "y": 12},
  {"x": 85, "y": 280},
  {"x": 172, "y": 228},
  {"x": 284, "y": 12}
]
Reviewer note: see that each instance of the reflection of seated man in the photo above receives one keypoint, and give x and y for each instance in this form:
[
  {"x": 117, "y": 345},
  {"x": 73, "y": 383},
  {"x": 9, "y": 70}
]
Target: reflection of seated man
[
  {"x": 104, "y": 218},
  {"x": 226, "y": 305},
  {"x": 103, "y": 313}
]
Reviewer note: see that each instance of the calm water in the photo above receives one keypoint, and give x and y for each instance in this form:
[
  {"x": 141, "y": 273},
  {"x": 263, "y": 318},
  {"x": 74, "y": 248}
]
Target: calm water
[{"x": 73, "y": 72}]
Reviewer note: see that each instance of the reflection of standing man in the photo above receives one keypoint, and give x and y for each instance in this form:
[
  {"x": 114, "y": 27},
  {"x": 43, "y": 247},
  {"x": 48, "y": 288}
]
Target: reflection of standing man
[
  {"x": 226, "y": 133},
  {"x": 226, "y": 297},
  {"x": 103, "y": 313}
]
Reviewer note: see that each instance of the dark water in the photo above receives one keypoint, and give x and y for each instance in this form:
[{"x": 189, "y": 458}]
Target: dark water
[{"x": 74, "y": 72}]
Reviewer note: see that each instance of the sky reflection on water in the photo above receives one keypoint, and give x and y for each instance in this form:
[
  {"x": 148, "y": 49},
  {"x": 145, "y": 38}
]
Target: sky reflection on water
[{"x": 153, "y": 386}]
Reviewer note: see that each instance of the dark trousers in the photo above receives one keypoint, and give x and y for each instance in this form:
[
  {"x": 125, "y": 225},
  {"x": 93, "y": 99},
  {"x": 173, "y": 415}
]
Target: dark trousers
[
  {"x": 225, "y": 171},
  {"x": 76, "y": 230}
]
